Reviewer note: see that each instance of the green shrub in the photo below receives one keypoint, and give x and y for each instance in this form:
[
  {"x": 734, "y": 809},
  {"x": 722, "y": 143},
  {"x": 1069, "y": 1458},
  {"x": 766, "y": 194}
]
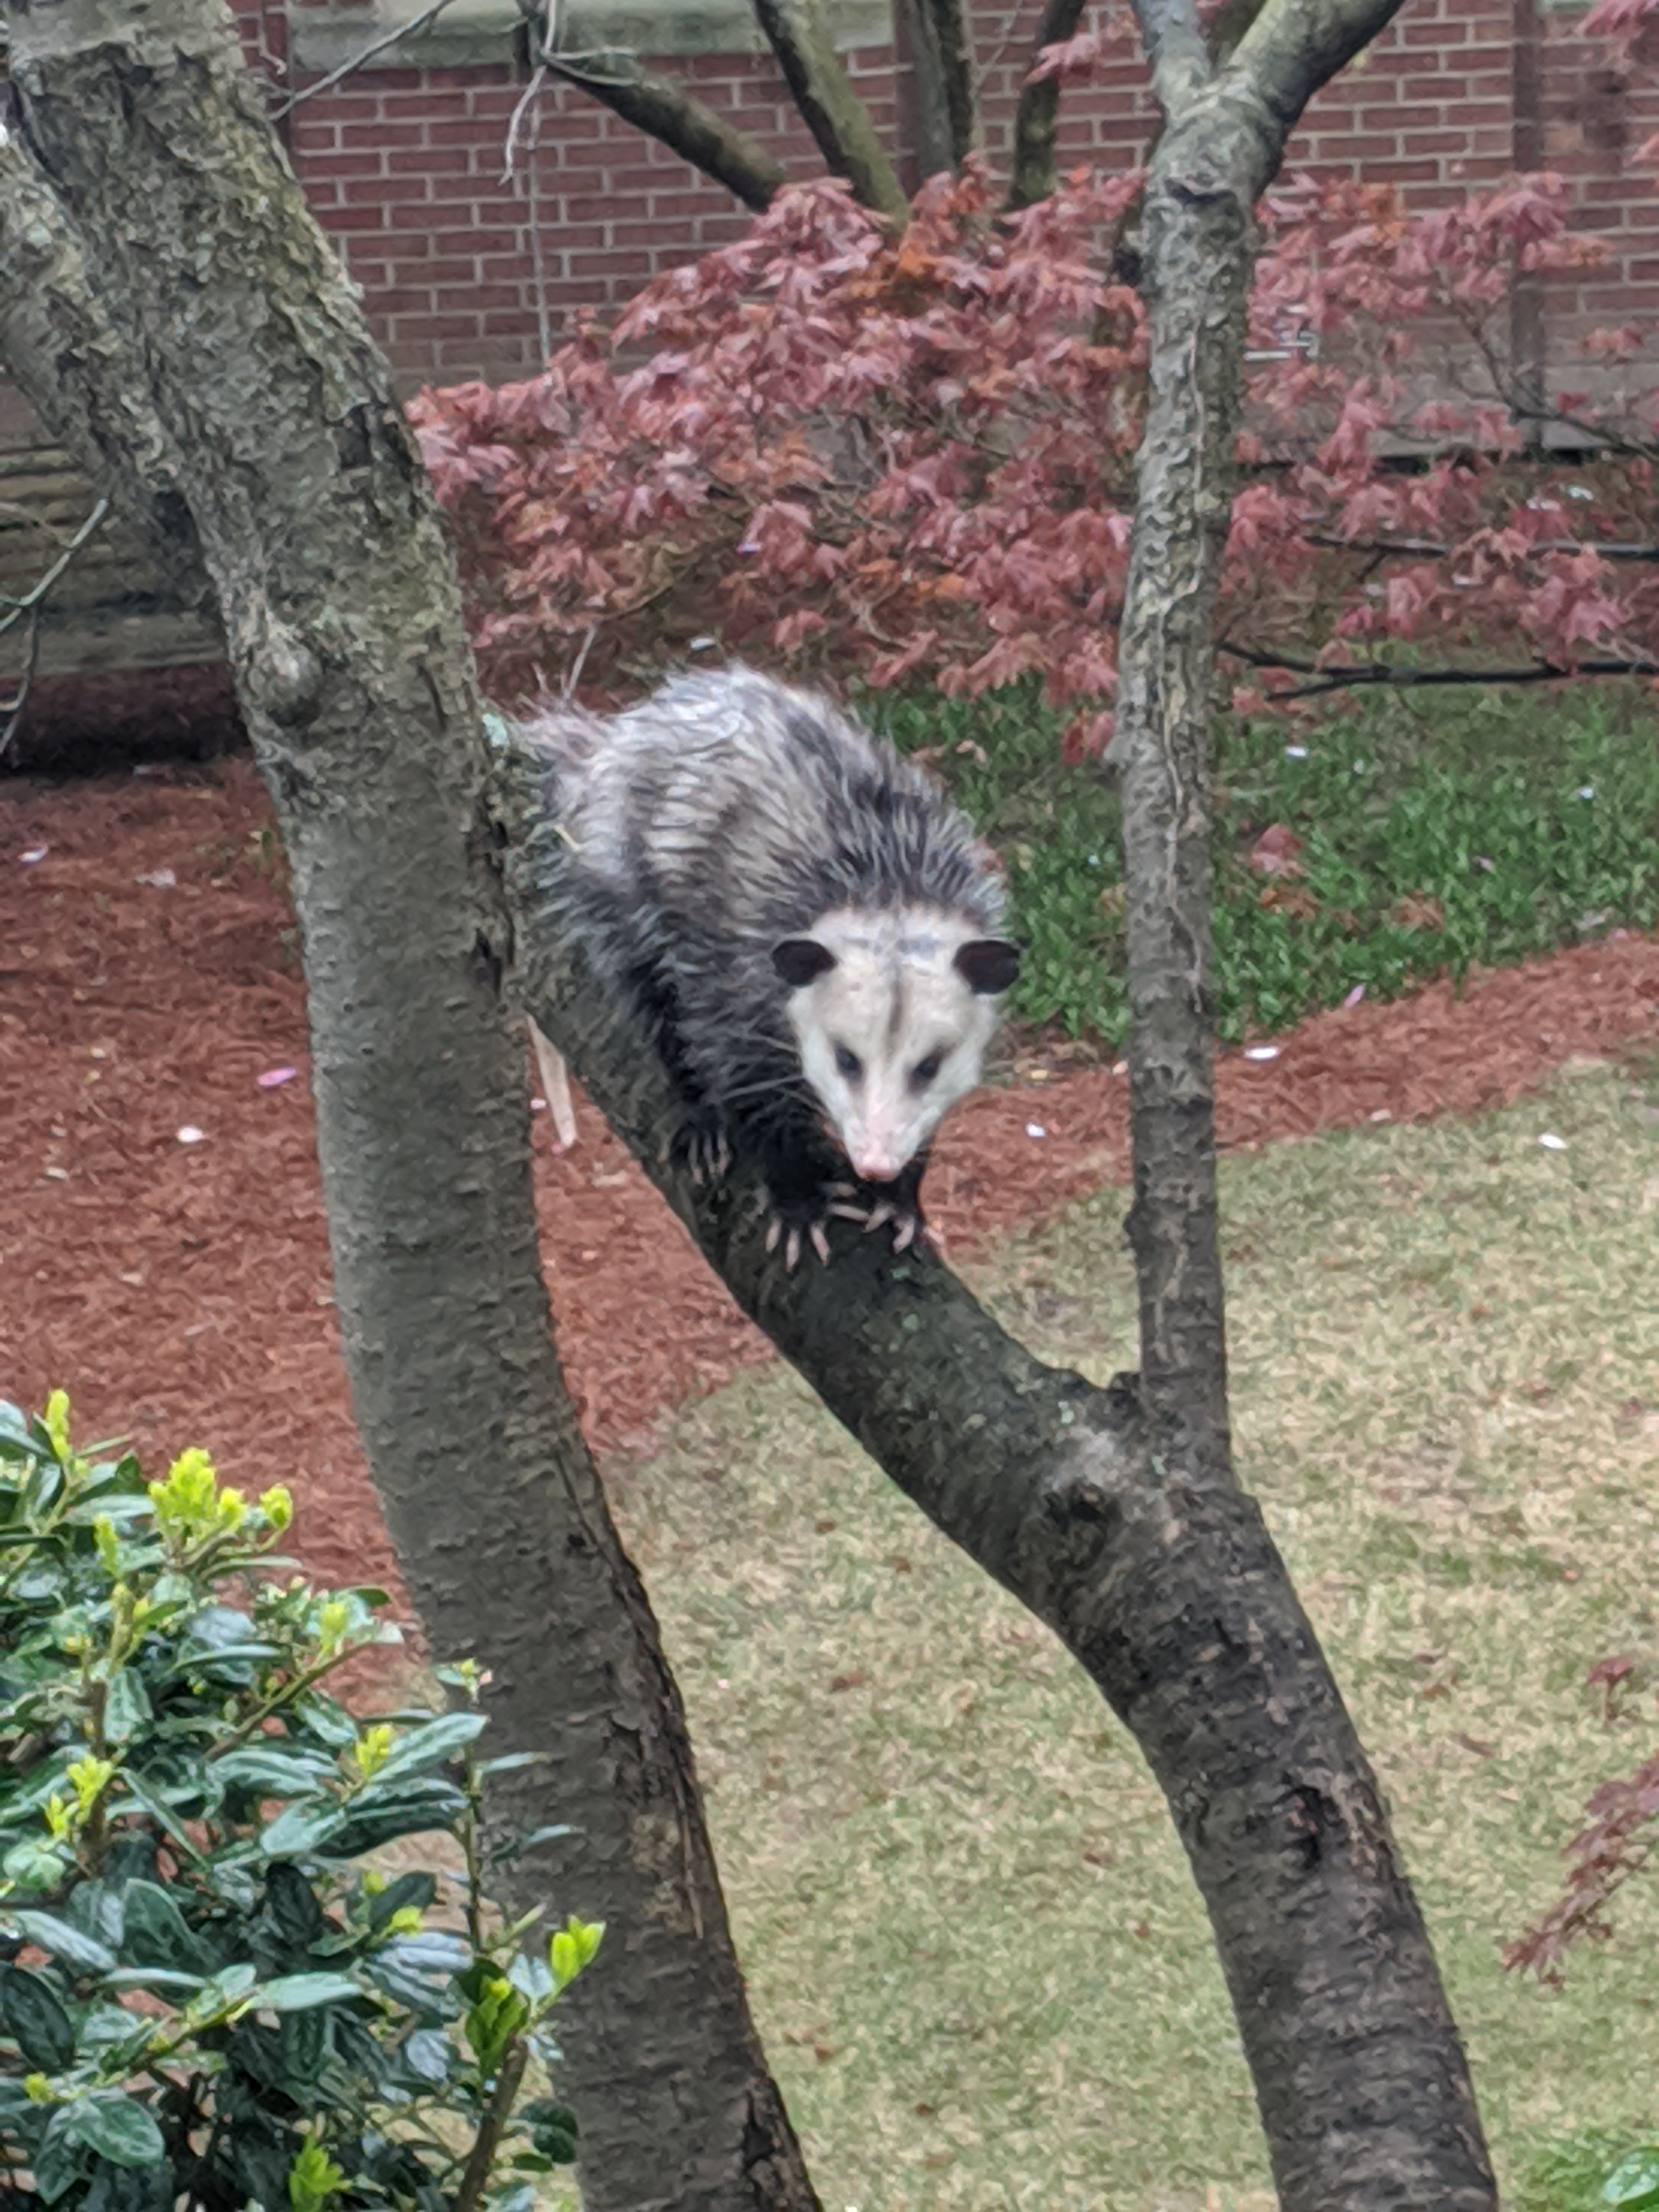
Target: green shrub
[
  {"x": 1437, "y": 833},
  {"x": 205, "y": 1999}
]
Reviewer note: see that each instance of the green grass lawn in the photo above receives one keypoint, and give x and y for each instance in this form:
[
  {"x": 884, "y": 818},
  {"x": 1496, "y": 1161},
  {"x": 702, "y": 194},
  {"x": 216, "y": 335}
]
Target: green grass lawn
[
  {"x": 980, "y": 1967},
  {"x": 1440, "y": 829}
]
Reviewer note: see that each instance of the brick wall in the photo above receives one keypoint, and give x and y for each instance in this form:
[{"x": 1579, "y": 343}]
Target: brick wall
[{"x": 404, "y": 168}]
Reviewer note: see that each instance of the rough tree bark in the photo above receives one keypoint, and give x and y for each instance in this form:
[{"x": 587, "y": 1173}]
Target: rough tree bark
[
  {"x": 65, "y": 352},
  {"x": 282, "y": 442},
  {"x": 936, "y": 38}
]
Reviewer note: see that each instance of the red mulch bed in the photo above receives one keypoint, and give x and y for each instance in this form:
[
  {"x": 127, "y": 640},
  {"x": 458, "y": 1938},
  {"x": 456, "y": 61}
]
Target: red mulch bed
[{"x": 180, "y": 1291}]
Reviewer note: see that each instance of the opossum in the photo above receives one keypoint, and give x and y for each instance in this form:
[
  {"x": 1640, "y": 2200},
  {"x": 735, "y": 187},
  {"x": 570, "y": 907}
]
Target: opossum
[{"x": 810, "y": 928}]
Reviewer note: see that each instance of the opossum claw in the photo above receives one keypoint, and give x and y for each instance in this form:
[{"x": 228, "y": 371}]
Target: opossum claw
[
  {"x": 905, "y": 1234},
  {"x": 820, "y": 1241},
  {"x": 774, "y": 1230},
  {"x": 882, "y": 1211},
  {"x": 792, "y": 1251},
  {"x": 847, "y": 1213}
]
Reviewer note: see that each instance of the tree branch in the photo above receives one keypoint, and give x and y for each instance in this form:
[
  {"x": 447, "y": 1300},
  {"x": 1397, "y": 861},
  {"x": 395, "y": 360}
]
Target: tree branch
[
  {"x": 28, "y": 608},
  {"x": 1295, "y": 46},
  {"x": 1380, "y": 672},
  {"x": 65, "y": 355},
  {"x": 1178, "y": 52},
  {"x": 1038, "y": 116},
  {"x": 838, "y": 119},
  {"x": 361, "y": 59},
  {"x": 665, "y": 111},
  {"x": 1162, "y": 1582},
  {"x": 1426, "y": 549},
  {"x": 943, "y": 59}
]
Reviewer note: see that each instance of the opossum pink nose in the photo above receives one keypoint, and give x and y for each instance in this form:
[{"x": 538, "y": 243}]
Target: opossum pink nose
[{"x": 875, "y": 1166}]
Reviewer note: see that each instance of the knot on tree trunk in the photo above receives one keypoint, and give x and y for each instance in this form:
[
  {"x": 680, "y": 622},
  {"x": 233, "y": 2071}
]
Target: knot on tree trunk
[{"x": 282, "y": 675}]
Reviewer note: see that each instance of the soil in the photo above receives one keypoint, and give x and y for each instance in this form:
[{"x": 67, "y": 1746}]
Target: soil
[{"x": 178, "y": 1284}]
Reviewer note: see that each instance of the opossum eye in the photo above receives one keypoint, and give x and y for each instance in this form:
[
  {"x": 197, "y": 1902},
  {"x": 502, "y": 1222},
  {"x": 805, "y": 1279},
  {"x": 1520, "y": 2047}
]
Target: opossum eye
[
  {"x": 925, "y": 1070},
  {"x": 847, "y": 1064}
]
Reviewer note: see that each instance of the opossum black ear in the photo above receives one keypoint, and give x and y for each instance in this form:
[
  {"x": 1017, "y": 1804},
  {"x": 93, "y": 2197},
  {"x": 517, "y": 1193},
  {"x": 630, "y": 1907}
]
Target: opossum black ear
[
  {"x": 801, "y": 960},
  {"x": 988, "y": 964}
]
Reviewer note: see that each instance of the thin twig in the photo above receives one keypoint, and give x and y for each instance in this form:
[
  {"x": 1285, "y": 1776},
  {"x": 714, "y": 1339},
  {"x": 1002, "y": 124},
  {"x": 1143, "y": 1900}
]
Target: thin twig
[
  {"x": 475, "y": 2180},
  {"x": 1382, "y": 673},
  {"x": 30, "y": 606},
  {"x": 36, "y": 592},
  {"x": 359, "y": 60},
  {"x": 1425, "y": 549}
]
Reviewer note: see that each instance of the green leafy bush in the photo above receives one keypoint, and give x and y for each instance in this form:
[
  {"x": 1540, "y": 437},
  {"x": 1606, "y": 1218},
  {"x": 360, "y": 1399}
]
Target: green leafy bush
[
  {"x": 206, "y": 1998},
  {"x": 1435, "y": 834}
]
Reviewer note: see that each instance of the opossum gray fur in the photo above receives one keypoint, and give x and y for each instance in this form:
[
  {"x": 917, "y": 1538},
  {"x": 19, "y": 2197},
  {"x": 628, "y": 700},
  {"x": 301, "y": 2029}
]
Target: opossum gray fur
[{"x": 809, "y": 925}]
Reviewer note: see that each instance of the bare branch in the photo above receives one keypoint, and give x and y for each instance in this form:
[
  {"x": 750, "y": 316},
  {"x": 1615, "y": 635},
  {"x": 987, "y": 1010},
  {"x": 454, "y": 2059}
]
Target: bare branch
[
  {"x": 1038, "y": 113},
  {"x": 1382, "y": 673},
  {"x": 942, "y": 59},
  {"x": 34, "y": 597},
  {"x": 29, "y": 606},
  {"x": 1295, "y": 46},
  {"x": 1177, "y": 51},
  {"x": 838, "y": 119},
  {"x": 1426, "y": 549},
  {"x": 664, "y": 111},
  {"x": 357, "y": 61}
]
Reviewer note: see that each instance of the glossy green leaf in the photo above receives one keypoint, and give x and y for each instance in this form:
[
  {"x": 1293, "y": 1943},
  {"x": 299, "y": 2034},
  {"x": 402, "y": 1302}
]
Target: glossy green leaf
[
  {"x": 298, "y": 1992},
  {"x": 82, "y": 1955},
  {"x": 38, "y": 2024},
  {"x": 118, "y": 2128}
]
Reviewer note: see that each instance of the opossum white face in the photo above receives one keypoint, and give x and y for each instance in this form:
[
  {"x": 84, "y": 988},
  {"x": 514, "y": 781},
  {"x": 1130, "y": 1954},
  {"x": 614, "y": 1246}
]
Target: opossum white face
[{"x": 893, "y": 1013}]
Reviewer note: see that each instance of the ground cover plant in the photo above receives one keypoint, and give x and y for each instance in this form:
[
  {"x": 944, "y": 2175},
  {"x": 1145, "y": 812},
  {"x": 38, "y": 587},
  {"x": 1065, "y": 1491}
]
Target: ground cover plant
[
  {"x": 209, "y": 1993},
  {"x": 972, "y": 1944},
  {"x": 1426, "y": 834}
]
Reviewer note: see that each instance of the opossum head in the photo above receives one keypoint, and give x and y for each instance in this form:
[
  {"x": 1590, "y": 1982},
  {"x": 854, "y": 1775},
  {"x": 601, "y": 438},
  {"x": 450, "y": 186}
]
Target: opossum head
[{"x": 892, "y": 1011}]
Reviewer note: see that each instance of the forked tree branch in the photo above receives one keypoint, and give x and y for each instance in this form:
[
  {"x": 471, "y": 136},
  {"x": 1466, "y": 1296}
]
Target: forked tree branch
[
  {"x": 1225, "y": 130},
  {"x": 1161, "y": 1580}
]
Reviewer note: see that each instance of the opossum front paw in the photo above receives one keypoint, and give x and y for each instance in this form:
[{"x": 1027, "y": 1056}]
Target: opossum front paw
[
  {"x": 908, "y": 1225},
  {"x": 702, "y": 1147},
  {"x": 906, "y": 1222},
  {"x": 871, "y": 1209},
  {"x": 799, "y": 1218}
]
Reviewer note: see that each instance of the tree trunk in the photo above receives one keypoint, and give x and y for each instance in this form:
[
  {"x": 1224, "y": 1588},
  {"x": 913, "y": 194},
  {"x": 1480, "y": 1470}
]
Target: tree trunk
[
  {"x": 341, "y": 614},
  {"x": 1161, "y": 1580}
]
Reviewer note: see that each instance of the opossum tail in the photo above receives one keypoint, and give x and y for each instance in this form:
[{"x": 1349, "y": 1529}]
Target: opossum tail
[{"x": 556, "y": 1086}]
